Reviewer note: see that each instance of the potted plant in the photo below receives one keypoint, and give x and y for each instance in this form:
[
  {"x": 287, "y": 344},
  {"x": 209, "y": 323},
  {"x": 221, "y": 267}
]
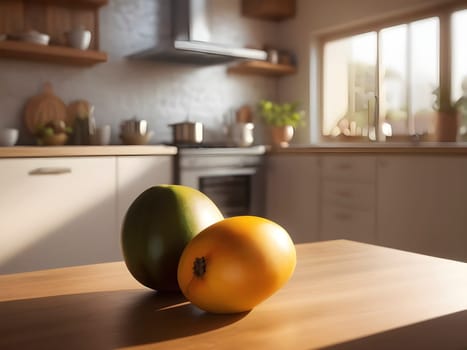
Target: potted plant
[
  {"x": 446, "y": 119},
  {"x": 281, "y": 118},
  {"x": 461, "y": 107}
]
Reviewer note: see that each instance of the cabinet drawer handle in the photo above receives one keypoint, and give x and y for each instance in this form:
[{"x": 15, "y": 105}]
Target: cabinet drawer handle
[
  {"x": 343, "y": 216},
  {"x": 344, "y": 194},
  {"x": 344, "y": 166},
  {"x": 50, "y": 171}
]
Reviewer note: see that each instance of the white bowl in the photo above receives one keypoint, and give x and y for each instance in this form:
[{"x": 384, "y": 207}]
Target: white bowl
[
  {"x": 8, "y": 137},
  {"x": 32, "y": 36}
]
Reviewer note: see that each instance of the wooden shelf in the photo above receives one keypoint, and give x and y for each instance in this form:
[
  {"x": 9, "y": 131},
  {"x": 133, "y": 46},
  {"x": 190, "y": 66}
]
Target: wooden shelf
[
  {"x": 49, "y": 53},
  {"x": 271, "y": 10},
  {"x": 262, "y": 68},
  {"x": 54, "y": 18},
  {"x": 72, "y": 3}
]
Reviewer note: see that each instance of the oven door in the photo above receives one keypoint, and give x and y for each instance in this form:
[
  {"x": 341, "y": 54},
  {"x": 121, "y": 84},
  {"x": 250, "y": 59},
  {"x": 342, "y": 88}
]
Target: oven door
[{"x": 236, "y": 191}]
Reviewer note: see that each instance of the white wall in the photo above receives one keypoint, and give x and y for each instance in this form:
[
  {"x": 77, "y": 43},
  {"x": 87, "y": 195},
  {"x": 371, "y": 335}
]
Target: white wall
[
  {"x": 160, "y": 92},
  {"x": 315, "y": 17}
]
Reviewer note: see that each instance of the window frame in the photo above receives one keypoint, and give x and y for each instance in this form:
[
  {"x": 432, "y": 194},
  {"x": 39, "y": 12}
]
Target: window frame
[{"x": 442, "y": 11}]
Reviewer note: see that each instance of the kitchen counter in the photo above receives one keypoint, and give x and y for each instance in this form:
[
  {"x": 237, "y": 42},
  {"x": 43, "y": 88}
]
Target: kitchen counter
[
  {"x": 432, "y": 148},
  {"x": 343, "y": 295},
  {"x": 81, "y": 151}
]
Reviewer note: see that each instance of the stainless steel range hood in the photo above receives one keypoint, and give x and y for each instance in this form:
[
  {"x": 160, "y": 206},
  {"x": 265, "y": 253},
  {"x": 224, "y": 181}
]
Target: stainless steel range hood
[{"x": 190, "y": 41}]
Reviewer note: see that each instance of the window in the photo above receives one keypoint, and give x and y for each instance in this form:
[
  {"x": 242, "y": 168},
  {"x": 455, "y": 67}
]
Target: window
[
  {"x": 459, "y": 69},
  {"x": 349, "y": 84},
  {"x": 385, "y": 83}
]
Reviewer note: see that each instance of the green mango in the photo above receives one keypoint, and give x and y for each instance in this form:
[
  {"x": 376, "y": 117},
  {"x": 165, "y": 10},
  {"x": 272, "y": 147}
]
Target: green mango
[{"x": 157, "y": 226}]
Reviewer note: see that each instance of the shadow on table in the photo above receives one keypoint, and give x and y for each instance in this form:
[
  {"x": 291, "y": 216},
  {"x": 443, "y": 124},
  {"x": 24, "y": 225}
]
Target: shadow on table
[
  {"x": 159, "y": 317},
  {"x": 103, "y": 320},
  {"x": 447, "y": 332}
]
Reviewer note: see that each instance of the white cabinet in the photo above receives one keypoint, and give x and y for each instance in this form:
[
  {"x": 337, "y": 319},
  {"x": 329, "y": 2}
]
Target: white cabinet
[
  {"x": 422, "y": 204},
  {"x": 322, "y": 197},
  {"x": 406, "y": 201},
  {"x": 57, "y": 212},
  {"x": 136, "y": 174},
  {"x": 65, "y": 211},
  {"x": 348, "y": 198},
  {"x": 292, "y": 194}
]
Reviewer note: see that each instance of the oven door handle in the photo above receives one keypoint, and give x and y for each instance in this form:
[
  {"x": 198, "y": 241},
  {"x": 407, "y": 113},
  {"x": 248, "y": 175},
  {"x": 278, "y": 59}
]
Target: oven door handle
[{"x": 218, "y": 172}]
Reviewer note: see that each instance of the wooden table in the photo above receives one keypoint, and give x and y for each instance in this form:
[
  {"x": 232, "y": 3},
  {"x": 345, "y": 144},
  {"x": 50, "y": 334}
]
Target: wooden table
[{"x": 343, "y": 295}]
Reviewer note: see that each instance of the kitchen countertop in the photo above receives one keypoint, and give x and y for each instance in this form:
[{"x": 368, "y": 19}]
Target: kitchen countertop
[
  {"x": 433, "y": 148},
  {"x": 343, "y": 295},
  {"x": 428, "y": 148},
  {"x": 123, "y": 150},
  {"x": 81, "y": 151}
]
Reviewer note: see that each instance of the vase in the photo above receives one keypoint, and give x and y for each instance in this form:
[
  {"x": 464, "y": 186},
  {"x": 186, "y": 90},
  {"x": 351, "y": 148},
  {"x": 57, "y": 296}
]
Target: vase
[
  {"x": 446, "y": 126},
  {"x": 281, "y": 135}
]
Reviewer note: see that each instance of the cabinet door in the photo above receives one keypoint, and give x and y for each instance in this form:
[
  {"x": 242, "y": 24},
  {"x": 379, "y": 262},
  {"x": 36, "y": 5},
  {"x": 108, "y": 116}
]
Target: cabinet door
[
  {"x": 292, "y": 194},
  {"x": 136, "y": 174},
  {"x": 348, "y": 200},
  {"x": 57, "y": 212},
  {"x": 422, "y": 203}
]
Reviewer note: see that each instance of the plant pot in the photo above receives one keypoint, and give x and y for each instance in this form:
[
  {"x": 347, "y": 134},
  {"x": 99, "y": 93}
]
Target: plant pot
[
  {"x": 446, "y": 126},
  {"x": 281, "y": 135}
]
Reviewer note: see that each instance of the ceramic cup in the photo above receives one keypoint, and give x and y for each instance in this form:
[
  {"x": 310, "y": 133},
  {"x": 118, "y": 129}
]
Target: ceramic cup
[
  {"x": 79, "y": 38},
  {"x": 273, "y": 56},
  {"x": 102, "y": 135},
  {"x": 242, "y": 134},
  {"x": 8, "y": 137}
]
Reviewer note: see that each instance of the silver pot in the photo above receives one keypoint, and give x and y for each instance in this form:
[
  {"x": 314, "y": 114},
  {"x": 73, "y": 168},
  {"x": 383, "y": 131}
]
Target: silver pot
[{"x": 187, "y": 133}]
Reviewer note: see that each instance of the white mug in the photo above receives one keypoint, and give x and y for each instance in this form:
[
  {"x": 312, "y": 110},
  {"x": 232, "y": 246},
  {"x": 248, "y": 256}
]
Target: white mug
[
  {"x": 8, "y": 136},
  {"x": 102, "y": 135},
  {"x": 79, "y": 38},
  {"x": 242, "y": 134}
]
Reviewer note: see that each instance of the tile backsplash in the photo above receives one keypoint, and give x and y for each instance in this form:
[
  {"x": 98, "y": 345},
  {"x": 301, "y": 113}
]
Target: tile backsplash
[{"x": 162, "y": 93}]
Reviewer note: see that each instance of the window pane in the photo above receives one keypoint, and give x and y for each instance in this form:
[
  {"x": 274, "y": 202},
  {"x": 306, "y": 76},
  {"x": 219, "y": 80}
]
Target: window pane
[
  {"x": 424, "y": 79},
  {"x": 393, "y": 93},
  {"x": 459, "y": 67},
  {"x": 349, "y": 84}
]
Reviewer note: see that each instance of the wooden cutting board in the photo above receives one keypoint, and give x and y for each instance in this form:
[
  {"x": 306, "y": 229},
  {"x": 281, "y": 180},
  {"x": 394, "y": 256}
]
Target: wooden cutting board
[
  {"x": 81, "y": 109},
  {"x": 43, "y": 108}
]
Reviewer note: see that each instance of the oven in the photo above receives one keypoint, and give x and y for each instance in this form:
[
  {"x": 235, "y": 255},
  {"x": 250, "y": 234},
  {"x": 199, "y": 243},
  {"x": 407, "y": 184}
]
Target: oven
[{"x": 232, "y": 177}]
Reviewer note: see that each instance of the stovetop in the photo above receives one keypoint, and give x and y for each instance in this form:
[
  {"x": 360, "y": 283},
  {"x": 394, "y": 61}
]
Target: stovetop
[
  {"x": 217, "y": 148},
  {"x": 212, "y": 149}
]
